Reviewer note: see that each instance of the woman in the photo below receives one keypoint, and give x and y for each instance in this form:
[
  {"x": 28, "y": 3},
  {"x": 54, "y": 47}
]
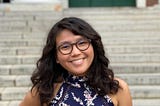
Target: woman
[{"x": 73, "y": 70}]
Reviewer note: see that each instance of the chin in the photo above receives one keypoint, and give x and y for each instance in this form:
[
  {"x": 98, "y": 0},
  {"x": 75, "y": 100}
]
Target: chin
[{"x": 79, "y": 74}]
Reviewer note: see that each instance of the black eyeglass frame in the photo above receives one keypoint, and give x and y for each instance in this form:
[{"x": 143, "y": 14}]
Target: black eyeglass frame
[{"x": 76, "y": 44}]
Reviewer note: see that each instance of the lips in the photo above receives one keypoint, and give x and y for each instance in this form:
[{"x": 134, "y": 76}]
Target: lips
[{"x": 77, "y": 62}]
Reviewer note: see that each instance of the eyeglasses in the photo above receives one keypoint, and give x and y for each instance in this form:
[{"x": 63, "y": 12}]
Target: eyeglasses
[{"x": 82, "y": 45}]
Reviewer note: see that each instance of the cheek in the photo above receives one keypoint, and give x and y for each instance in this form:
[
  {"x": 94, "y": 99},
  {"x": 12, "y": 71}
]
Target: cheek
[
  {"x": 91, "y": 54},
  {"x": 92, "y": 51},
  {"x": 61, "y": 58}
]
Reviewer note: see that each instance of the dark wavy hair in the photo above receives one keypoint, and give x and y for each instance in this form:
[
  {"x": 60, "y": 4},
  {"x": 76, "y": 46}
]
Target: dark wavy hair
[{"x": 48, "y": 72}]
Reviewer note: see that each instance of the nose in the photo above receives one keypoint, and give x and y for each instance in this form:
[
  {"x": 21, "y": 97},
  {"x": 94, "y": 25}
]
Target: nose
[{"x": 75, "y": 51}]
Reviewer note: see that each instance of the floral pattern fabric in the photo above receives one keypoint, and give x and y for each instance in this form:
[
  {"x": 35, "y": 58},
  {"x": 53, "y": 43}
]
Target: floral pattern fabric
[{"x": 75, "y": 92}]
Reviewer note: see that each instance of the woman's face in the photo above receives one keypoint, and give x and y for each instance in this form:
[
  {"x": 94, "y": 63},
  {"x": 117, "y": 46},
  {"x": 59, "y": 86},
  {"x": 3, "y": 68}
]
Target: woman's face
[{"x": 77, "y": 61}]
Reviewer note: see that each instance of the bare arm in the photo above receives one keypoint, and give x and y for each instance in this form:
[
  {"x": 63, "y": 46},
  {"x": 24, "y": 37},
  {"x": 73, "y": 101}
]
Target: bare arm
[
  {"x": 31, "y": 99},
  {"x": 123, "y": 96}
]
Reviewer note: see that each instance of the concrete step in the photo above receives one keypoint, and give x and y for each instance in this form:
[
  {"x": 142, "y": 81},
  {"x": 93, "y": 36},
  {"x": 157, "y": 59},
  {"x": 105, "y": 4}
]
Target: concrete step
[
  {"x": 15, "y": 81},
  {"x": 128, "y": 28},
  {"x": 22, "y": 69},
  {"x": 21, "y": 59},
  {"x": 16, "y": 18},
  {"x": 29, "y": 25},
  {"x": 30, "y": 16},
  {"x": 145, "y": 92},
  {"x": 112, "y": 28},
  {"x": 22, "y": 43},
  {"x": 111, "y": 11},
  {"x": 119, "y": 68},
  {"x": 131, "y": 41},
  {"x": 52, "y": 6},
  {"x": 131, "y": 79},
  {"x": 129, "y": 49},
  {"x": 37, "y": 35},
  {"x": 141, "y": 79},
  {"x": 47, "y": 23},
  {"x": 10, "y": 103},
  {"x": 13, "y": 24},
  {"x": 128, "y": 34},
  {"x": 123, "y": 17},
  {"x": 137, "y": 92},
  {"x": 123, "y": 22},
  {"x": 16, "y": 29},
  {"x": 54, "y": 14},
  {"x": 37, "y": 20},
  {"x": 136, "y": 68},
  {"x": 38, "y": 28},
  {"x": 22, "y": 35},
  {"x": 11, "y": 35},
  {"x": 18, "y": 51},
  {"x": 146, "y": 102},
  {"x": 136, "y": 102},
  {"x": 1, "y": 13},
  {"x": 13, "y": 93},
  {"x": 134, "y": 42},
  {"x": 99, "y": 18},
  {"x": 105, "y": 17},
  {"x": 134, "y": 58},
  {"x": 105, "y": 22}
]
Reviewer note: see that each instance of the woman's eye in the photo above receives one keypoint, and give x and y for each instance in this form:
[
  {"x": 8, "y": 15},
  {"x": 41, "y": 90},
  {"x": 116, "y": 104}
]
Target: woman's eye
[
  {"x": 65, "y": 46},
  {"x": 82, "y": 42}
]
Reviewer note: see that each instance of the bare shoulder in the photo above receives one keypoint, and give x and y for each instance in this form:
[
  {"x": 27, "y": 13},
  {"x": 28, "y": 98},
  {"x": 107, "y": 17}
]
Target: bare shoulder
[
  {"x": 31, "y": 99},
  {"x": 122, "y": 84},
  {"x": 123, "y": 96}
]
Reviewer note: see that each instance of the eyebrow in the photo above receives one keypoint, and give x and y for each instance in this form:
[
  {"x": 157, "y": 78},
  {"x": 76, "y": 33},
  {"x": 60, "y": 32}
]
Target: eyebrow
[{"x": 63, "y": 42}]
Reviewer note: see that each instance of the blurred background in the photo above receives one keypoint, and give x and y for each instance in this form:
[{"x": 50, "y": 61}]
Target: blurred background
[{"x": 130, "y": 31}]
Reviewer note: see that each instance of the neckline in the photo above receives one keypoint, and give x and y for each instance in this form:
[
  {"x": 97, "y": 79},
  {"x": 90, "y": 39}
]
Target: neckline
[{"x": 76, "y": 81}]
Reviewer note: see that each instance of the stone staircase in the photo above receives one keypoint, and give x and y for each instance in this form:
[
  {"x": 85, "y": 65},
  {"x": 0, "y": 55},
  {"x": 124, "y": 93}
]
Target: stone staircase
[{"x": 131, "y": 37}]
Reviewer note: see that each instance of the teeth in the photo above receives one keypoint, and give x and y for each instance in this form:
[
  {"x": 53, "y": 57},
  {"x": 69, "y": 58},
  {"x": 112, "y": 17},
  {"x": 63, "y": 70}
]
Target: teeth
[{"x": 77, "y": 62}]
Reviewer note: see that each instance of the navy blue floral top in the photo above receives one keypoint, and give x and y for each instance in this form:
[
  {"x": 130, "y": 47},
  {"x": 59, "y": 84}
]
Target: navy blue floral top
[{"x": 75, "y": 92}]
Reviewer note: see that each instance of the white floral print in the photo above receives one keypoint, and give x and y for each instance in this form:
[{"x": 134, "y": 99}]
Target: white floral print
[{"x": 75, "y": 92}]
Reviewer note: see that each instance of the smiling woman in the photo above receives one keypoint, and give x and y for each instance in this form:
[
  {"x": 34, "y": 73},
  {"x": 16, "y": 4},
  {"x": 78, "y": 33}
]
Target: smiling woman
[
  {"x": 75, "y": 53},
  {"x": 73, "y": 70}
]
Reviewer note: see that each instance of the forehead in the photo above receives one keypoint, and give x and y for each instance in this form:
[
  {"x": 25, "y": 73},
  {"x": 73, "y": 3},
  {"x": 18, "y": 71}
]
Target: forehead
[{"x": 67, "y": 36}]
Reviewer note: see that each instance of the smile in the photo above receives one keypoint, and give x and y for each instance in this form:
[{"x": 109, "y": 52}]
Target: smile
[{"x": 77, "y": 61}]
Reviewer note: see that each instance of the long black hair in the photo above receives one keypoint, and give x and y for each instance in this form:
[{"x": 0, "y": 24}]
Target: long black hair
[{"x": 48, "y": 72}]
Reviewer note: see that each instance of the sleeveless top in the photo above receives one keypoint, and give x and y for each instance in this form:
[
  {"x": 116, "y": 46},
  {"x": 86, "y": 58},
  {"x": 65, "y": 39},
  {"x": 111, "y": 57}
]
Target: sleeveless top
[{"x": 75, "y": 92}]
